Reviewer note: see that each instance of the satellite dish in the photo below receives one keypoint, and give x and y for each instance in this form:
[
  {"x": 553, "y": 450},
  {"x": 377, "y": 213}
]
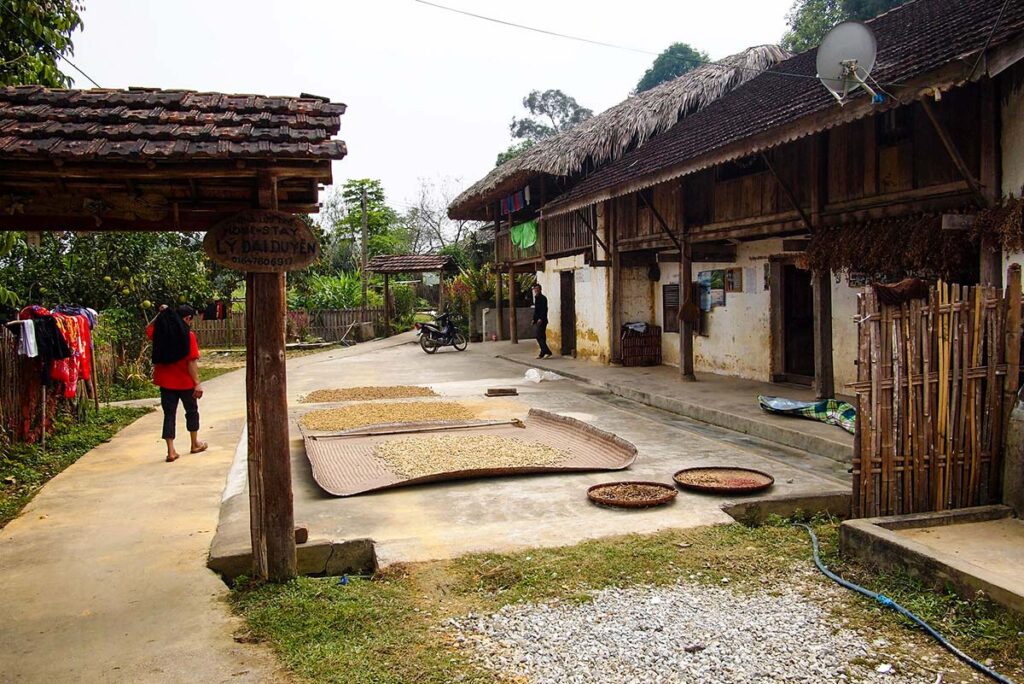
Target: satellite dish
[{"x": 846, "y": 57}]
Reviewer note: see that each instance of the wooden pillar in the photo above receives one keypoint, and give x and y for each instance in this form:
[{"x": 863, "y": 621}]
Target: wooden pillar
[
  {"x": 685, "y": 294},
  {"x": 824, "y": 380},
  {"x": 991, "y": 266},
  {"x": 387, "y": 306},
  {"x": 272, "y": 520},
  {"x": 440, "y": 291},
  {"x": 499, "y": 303},
  {"x": 615, "y": 306},
  {"x": 513, "y": 321}
]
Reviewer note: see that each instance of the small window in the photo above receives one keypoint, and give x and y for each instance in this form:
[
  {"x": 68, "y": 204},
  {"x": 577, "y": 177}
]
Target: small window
[{"x": 670, "y": 308}]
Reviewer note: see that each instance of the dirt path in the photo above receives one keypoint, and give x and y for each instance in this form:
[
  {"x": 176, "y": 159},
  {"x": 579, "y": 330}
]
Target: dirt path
[{"x": 104, "y": 576}]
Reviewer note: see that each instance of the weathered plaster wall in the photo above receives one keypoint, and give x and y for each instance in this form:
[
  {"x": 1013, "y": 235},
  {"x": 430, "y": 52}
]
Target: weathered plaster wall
[
  {"x": 591, "y": 286},
  {"x": 637, "y": 295},
  {"x": 1012, "y": 111},
  {"x": 844, "y": 335},
  {"x": 739, "y": 333}
]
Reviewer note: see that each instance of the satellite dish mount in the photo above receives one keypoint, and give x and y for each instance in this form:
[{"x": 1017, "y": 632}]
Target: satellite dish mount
[{"x": 846, "y": 57}]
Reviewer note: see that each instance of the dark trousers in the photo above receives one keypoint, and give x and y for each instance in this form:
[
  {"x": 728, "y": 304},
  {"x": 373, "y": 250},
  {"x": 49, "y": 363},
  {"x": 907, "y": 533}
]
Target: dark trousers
[
  {"x": 169, "y": 403},
  {"x": 541, "y": 332}
]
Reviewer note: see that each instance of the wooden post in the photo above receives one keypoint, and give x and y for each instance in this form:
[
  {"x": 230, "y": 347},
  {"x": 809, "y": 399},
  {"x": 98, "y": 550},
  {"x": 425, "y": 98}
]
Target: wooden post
[
  {"x": 513, "y": 321},
  {"x": 615, "y": 314},
  {"x": 387, "y": 306},
  {"x": 270, "y": 481},
  {"x": 440, "y": 291},
  {"x": 824, "y": 381},
  {"x": 685, "y": 294},
  {"x": 991, "y": 254},
  {"x": 499, "y": 297},
  {"x": 1013, "y": 338}
]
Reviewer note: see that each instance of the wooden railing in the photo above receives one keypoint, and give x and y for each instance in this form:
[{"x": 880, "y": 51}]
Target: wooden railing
[
  {"x": 569, "y": 233},
  {"x": 506, "y": 252}
]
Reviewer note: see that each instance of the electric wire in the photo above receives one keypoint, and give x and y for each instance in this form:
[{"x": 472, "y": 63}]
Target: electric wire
[
  {"x": 55, "y": 51},
  {"x": 889, "y": 603},
  {"x": 677, "y": 58}
]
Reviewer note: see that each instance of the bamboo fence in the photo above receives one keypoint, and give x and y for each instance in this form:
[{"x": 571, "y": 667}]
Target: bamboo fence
[
  {"x": 330, "y": 325},
  {"x": 937, "y": 379}
]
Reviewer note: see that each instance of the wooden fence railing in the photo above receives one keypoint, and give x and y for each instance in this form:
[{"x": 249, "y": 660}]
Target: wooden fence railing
[
  {"x": 330, "y": 325},
  {"x": 937, "y": 379},
  {"x": 26, "y": 411}
]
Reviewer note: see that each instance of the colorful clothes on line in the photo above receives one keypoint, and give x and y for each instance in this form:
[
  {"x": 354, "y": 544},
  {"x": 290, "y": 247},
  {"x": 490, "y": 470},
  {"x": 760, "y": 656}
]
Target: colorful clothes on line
[
  {"x": 65, "y": 345},
  {"x": 516, "y": 201},
  {"x": 830, "y": 411}
]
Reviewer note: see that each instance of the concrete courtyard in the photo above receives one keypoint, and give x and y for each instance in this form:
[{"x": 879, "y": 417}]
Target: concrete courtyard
[{"x": 499, "y": 514}]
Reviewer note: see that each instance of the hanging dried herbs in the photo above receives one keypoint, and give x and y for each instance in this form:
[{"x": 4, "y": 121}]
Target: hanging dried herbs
[
  {"x": 1005, "y": 224},
  {"x": 888, "y": 250}
]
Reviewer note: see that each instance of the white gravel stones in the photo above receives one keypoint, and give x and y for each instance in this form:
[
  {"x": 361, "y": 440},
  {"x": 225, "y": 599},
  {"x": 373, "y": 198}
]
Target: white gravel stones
[{"x": 685, "y": 633}]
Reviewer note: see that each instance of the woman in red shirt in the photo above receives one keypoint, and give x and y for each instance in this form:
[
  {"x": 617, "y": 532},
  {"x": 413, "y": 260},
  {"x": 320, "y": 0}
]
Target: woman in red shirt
[{"x": 176, "y": 372}]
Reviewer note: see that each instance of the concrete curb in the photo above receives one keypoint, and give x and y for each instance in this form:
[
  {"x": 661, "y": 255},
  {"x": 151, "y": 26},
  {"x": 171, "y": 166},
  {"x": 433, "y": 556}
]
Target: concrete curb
[
  {"x": 791, "y": 437},
  {"x": 757, "y": 511},
  {"x": 875, "y": 542}
]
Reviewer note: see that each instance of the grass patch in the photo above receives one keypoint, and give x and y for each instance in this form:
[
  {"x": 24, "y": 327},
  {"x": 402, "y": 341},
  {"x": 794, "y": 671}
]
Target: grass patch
[
  {"x": 24, "y": 468},
  {"x": 391, "y": 629}
]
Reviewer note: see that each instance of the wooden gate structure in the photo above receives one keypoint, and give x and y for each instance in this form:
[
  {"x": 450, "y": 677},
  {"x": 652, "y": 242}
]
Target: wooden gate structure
[
  {"x": 146, "y": 159},
  {"x": 937, "y": 379}
]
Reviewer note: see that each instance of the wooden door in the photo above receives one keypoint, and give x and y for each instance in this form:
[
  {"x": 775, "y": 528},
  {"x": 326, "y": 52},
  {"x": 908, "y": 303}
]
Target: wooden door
[
  {"x": 797, "y": 324},
  {"x": 567, "y": 293}
]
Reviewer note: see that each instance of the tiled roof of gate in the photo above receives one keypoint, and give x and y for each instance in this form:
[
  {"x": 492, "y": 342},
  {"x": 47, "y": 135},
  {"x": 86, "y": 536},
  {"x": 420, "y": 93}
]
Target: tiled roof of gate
[
  {"x": 408, "y": 263},
  {"x": 913, "y": 40},
  {"x": 147, "y": 124}
]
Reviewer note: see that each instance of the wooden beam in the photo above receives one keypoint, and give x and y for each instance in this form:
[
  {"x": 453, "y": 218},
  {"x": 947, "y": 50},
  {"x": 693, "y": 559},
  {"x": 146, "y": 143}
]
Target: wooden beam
[
  {"x": 319, "y": 170},
  {"x": 790, "y": 197},
  {"x": 824, "y": 379},
  {"x": 387, "y": 304},
  {"x": 272, "y": 522},
  {"x": 592, "y": 230},
  {"x": 685, "y": 293},
  {"x": 513, "y": 319},
  {"x": 990, "y": 253},
  {"x": 1011, "y": 383},
  {"x": 499, "y": 304},
  {"x": 954, "y": 154},
  {"x": 777, "y": 328},
  {"x": 615, "y": 305}
]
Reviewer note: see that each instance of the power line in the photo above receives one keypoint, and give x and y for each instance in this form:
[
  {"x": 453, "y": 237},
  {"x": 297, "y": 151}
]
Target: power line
[
  {"x": 678, "y": 58},
  {"x": 56, "y": 53},
  {"x": 988, "y": 40},
  {"x": 536, "y": 30}
]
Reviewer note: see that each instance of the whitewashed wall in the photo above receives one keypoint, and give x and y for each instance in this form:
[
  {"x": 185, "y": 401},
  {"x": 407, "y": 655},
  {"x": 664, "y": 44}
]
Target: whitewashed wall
[
  {"x": 844, "y": 335},
  {"x": 592, "y": 297}
]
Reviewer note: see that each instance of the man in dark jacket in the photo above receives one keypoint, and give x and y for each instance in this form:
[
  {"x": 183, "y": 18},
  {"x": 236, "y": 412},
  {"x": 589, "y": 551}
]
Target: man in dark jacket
[{"x": 540, "y": 321}]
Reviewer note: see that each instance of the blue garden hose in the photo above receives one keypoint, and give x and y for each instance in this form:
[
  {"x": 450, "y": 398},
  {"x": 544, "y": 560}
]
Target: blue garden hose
[{"x": 889, "y": 603}]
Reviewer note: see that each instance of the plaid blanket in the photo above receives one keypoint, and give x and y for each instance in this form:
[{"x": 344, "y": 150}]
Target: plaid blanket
[{"x": 830, "y": 411}]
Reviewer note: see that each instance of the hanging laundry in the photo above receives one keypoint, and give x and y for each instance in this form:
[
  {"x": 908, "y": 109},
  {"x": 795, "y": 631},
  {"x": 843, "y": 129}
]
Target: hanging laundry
[
  {"x": 216, "y": 311},
  {"x": 25, "y": 331},
  {"x": 524, "y": 235},
  {"x": 516, "y": 201}
]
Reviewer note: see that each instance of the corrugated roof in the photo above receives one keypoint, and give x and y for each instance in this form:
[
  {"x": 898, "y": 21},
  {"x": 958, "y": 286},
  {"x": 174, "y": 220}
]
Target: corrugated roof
[
  {"x": 913, "y": 40},
  {"x": 408, "y": 263},
  {"x": 152, "y": 124}
]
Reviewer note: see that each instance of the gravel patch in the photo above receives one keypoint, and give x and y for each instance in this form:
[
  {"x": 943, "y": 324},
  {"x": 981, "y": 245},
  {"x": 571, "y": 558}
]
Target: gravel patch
[
  {"x": 419, "y": 456},
  {"x": 685, "y": 633}
]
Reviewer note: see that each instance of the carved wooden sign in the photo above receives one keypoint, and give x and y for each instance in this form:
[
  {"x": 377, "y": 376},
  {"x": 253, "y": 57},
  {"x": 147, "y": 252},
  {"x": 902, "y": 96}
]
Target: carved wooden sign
[{"x": 262, "y": 241}]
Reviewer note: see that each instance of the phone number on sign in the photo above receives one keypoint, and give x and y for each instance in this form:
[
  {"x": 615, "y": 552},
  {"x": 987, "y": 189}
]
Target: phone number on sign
[{"x": 262, "y": 261}]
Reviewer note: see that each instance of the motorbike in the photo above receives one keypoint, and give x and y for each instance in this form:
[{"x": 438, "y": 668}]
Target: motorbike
[{"x": 441, "y": 333}]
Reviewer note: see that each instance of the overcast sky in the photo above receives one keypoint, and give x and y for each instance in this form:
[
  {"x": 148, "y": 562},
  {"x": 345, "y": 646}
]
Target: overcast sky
[{"x": 430, "y": 93}]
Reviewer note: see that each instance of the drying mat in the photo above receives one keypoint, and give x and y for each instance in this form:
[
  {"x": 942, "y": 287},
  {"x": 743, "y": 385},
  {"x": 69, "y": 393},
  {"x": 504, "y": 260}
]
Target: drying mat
[
  {"x": 723, "y": 480},
  {"x": 344, "y": 465},
  {"x": 656, "y": 494}
]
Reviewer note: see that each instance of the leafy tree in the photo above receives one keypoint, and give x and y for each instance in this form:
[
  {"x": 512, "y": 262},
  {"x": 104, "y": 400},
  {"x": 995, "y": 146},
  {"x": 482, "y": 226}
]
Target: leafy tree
[
  {"x": 674, "y": 61},
  {"x": 32, "y": 34},
  {"x": 513, "y": 151},
  {"x": 810, "y": 20},
  {"x": 551, "y": 112},
  {"x": 341, "y": 226}
]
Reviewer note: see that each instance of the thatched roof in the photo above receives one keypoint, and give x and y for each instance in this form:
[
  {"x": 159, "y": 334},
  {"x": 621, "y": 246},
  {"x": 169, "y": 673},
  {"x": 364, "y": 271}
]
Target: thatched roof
[{"x": 619, "y": 129}]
